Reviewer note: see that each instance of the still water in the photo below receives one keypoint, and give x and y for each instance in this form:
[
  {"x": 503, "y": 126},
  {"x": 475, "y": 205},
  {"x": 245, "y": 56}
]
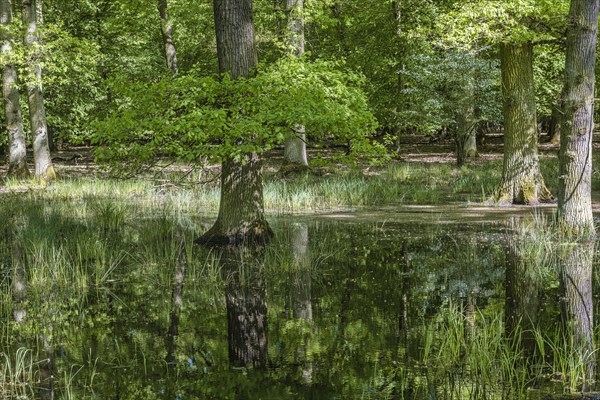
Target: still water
[{"x": 385, "y": 305}]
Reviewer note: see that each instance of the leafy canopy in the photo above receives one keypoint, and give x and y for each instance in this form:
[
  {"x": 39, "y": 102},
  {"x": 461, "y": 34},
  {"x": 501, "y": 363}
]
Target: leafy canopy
[{"x": 195, "y": 118}]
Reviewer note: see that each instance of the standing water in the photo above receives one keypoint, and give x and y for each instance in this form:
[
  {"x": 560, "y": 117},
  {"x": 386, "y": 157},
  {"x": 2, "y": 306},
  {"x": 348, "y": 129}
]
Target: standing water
[{"x": 391, "y": 305}]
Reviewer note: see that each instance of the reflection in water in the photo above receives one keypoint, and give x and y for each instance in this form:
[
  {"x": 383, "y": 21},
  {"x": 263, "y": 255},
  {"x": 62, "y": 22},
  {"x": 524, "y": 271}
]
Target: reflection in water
[
  {"x": 245, "y": 295},
  {"x": 576, "y": 306},
  {"x": 300, "y": 292},
  {"x": 373, "y": 310},
  {"x": 19, "y": 285},
  {"x": 523, "y": 286},
  {"x": 176, "y": 298}
]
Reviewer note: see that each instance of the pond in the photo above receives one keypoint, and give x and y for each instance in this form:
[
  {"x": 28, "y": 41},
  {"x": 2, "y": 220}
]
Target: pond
[{"x": 99, "y": 303}]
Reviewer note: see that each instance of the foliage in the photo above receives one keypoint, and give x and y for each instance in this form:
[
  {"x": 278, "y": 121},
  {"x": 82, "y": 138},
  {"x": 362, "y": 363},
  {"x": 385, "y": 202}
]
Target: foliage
[
  {"x": 70, "y": 103},
  {"x": 191, "y": 117}
]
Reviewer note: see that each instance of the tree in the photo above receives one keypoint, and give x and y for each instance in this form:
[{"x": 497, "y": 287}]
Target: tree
[
  {"x": 241, "y": 210},
  {"x": 295, "y": 145},
  {"x": 522, "y": 181},
  {"x": 17, "y": 164},
  {"x": 166, "y": 29},
  {"x": 32, "y": 16},
  {"x": 574, "y": 190},
  {"x": 514, "y": 26}
]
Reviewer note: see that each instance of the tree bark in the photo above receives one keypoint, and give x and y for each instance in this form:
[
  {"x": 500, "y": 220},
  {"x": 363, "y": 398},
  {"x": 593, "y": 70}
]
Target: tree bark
[
  {"x": 241, "y": 210},
  {"x": 522, "y": 181},
  {"x": 295, "y": 146},
  {"x": 574, "y": 189},
  {"x": 17, "y": 164},
  {"x": 32, "y": 15},
  {"x": 166, "y": 28},
  {"x": 554, "y": 129},
  {"x": 466, "y": 136}
]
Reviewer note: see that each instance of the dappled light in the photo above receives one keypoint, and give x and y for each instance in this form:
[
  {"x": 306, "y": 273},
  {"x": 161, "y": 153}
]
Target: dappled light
[{"x": 294, "y": 199}]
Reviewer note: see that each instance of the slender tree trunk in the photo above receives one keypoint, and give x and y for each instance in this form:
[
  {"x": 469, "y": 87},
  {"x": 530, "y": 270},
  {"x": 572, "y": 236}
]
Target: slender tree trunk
[
  {"x": 554, "y": 129},
  {"x": 400, "y": 54},
  {"x": 295, "y": 146},
  {"x": 466, "y": 143},
  {"x": 574, "y": 189},
  {"x": 577, "y": 303},
  {"x": 522, "y": 181},
  {"x": 32, "y": 16},
  {"x": 17, "y": 164},
  {"x": 166, "y": 28},
  {"x": 241, "y": 211}
]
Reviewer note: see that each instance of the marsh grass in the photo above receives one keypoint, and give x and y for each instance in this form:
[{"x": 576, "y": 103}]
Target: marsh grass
[
  {"x": 394, "y": 184},
  {"x": 467, "y": 361},
  {"x": 18, "y": 378},
  {"x": 77, "y": 251},
  {"x": 80, "y": 239}
]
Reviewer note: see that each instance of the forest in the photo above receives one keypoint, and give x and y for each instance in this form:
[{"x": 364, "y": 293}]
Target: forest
[{"x": 299, "y": 199}]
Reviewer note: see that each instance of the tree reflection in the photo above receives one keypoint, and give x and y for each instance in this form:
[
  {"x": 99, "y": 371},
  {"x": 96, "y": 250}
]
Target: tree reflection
[
  {"x": 523, "y": 289},
  {"x": 300, "y": 291},
  {"x": 176, "y": 298},
  {"x": 245, "y": 296},
  {"x": 19, "y": 291},
  {"x": 576, "y": 305}
]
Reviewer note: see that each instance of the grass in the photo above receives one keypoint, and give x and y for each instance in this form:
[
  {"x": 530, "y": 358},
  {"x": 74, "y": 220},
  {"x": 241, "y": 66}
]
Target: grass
[
  {"x": 82, "y": 238},
  {"x": 395, "y": 184}
]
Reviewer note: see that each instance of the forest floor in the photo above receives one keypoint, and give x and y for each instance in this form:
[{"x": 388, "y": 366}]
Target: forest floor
[{"x": 413, "y": 171}]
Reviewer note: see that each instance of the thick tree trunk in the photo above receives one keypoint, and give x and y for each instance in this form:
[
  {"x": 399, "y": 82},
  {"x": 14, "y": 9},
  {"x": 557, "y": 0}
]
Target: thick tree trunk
[
  {"x": 44, "y": 170},
  {"x": 17, "y": 164},
  {"x": 574, "y": 189},
  {"x": 241, "y": 216},
  {"x": 241, "y": 211},
  {"x": 295, "y": 146},
  {"x": 166, "y": 28},
  {"x": 577, "y": 303},
  {"x": 522, "y": 182},
  {"x": 246, "y": 306}
]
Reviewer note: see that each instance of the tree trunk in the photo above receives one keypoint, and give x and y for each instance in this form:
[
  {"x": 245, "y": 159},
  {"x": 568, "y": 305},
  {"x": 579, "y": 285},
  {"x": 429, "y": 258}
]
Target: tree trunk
[
  {"x": 241, "y": 210},
  {"x": 577, "y": 303},
  {"x": 522, "y": 182},
  {"x": 466, "y": 136},
  {"x": 295, "y": 146},
  {"x": 574, "y": 189},
  {"x": 166, "y": 28},
  {"x": 17, "y": 164},
  {"x": 32, "y": 15},
  {"x": 554, "y": 129}
]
